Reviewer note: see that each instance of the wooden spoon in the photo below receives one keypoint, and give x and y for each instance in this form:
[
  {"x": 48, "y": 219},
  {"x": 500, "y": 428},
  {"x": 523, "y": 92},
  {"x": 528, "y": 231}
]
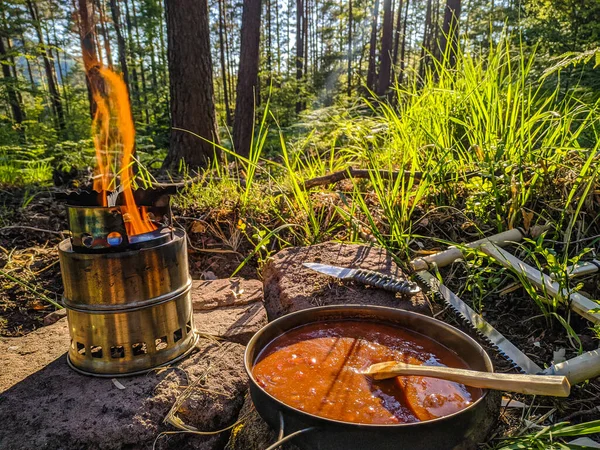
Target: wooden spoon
[{"x": 553, "y": 385}]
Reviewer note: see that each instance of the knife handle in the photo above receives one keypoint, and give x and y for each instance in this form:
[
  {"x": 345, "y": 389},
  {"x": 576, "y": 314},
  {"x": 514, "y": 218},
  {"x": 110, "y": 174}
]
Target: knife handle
[{"x": 387, "y": 282}]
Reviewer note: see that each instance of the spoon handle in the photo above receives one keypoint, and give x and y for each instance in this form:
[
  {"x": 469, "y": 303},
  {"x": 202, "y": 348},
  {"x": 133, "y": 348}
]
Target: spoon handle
[{"x": 552, "y": 385}]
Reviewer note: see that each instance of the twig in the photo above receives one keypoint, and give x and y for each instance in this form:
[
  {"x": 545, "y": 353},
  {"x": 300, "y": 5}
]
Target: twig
[{"x": 351, "y": 172}]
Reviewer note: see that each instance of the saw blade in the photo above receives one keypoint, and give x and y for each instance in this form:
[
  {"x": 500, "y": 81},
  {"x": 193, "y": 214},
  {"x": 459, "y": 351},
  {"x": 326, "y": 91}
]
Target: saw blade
[{"x": 492, "y": 336}]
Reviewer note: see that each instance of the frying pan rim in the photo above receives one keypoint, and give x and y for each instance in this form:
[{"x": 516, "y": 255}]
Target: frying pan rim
[{"x": 313, "y": 417}]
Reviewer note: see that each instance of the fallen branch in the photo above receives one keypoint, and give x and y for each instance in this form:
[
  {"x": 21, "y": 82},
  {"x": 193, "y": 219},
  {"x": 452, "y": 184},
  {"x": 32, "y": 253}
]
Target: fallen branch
[{"x": 351, "y": 172}]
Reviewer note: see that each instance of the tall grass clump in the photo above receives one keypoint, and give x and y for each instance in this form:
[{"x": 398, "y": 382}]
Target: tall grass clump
[{"x": 488, "y": 136}]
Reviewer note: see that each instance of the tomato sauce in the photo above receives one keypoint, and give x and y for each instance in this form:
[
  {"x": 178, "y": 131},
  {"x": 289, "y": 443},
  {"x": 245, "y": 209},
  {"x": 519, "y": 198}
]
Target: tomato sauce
[{"x": 315, "y": 368}]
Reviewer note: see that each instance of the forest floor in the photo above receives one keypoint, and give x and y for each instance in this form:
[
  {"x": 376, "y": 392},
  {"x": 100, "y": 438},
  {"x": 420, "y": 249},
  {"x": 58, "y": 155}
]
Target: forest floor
[{"x": 31, "y": 274}]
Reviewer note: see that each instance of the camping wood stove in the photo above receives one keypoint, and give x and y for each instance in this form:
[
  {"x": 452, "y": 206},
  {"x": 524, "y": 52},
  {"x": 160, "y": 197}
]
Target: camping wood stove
[{"x": 127, "y": 296}]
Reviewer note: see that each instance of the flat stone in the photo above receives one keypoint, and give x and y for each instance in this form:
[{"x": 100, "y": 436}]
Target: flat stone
[
  {"x": 289, "y": 286},
  {"x": 56, "y": 408},
  {"x": 22, "y": 356},
  {"x": 211, "y": 294},
  {"x": 54, "y": 316},
  {"x": 231, "y": 309},
  {"x": 233, "y": 323}
]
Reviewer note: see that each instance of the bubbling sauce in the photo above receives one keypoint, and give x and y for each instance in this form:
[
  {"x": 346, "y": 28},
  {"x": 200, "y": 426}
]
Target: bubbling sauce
[{"x": 315, "y": 368}]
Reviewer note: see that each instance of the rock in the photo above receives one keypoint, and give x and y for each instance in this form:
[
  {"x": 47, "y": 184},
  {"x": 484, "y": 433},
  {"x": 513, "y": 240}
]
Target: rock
[
  {"x": 56, "y": 408},
  {"x": 289, "y": 286},
  {"x": 234, "y": 323},
  {"x": 54, "y": 316},
  {"x": 44, "y": 403},
  {"x": 218, "y": 313},
  {"x": 211, "y": 294},
  {"x": 22, "y": 356},
  {"x": 230, "y": 309}
]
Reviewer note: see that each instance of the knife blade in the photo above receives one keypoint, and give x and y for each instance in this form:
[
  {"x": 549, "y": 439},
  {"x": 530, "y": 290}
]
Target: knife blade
[
  {"x": 492, "y": 336},
  {"x": 368, "y": 277}
]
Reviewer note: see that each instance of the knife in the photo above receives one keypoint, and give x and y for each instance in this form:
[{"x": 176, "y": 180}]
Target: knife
[
  {"x": 368, "y": 277},
  {"x": 492, "y": 336}
]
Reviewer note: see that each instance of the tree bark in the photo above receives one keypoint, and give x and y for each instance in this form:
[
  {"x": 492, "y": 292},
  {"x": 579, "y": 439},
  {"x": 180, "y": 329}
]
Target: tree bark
[
  {"x": 135, "y": 88},
  {"x": 223, "y": 65},
  {"x": 403, "y": 47},
  {"x": 449, "y": 40},
  {"x": 139, "y": 57},
  {"x": 105, "y": 34},
  {"x": 386, "y": 49},
  {"x": 88, "y": 52},
  {"x": 191, "y": 85},
  {"x": 13, "y": 99},
  {"x": 247, "y": 77},
  {"x": 48, "y": 67},
  {"x": 300, "y": 26},
  {"x": 426, "y": 41},
  {"x": 116, "y": 17},
  {"x": 397, "y": 34},
  {"x": 350, "y": 55},
  {"x": 373, "y": 47}
]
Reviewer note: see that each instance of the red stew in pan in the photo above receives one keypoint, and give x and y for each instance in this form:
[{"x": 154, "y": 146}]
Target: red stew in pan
[{"x": 316, "y": 368}]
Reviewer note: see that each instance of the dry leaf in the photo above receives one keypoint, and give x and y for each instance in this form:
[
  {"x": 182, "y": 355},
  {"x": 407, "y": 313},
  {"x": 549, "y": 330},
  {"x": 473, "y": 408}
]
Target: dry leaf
[
  {"x": 198, "y": 227},
  {"x": 527, "y": 218}
]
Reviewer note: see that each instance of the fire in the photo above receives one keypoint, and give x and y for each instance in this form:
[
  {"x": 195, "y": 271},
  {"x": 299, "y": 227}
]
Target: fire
[{"x": 114, "y": 135}]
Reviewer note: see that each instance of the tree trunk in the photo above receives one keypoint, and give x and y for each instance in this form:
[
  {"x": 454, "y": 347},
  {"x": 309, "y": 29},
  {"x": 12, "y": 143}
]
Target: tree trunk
[
  {"x": 403, "y": 47},
  {"x": 247, "y": 77},
  {"x": 139, "y": 57},
  {"x": 449, "y": 40},
  {"x": 373, "y": 47},
  {"x": 300, "y": 19},
  {"x": 397, "y": 34},
  {"x": 191, "y": 85},
  {"x": 426, "y": 39},
  {"x": 105, "y": 34},
  {"x": 10, "y": 85},
  {"x": 48, "y": 67},
  {"x": 349, "y": 89},
  {"x": 223, "y": 65},
  {"x": 135, "y": 88},
  {"x": 116, "y": 17},
  {"x": 88, "y": 52},
  {"x": 386, "y": 49}
]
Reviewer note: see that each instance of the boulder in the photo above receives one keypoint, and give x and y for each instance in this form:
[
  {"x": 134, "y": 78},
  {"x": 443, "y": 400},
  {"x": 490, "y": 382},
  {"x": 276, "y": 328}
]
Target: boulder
[
  {"x": 57, "y": 408},
  {"x": 46, "y": 404},
  {"x": 289, "y": 286}
]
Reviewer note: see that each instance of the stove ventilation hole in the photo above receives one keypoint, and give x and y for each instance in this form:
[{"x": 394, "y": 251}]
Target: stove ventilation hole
[
  {"x": 87, "y": 240},
  {"x": 160, "y": 343},
  {"x": 114, "y": 238},
  {"x": 188, "y": 327},
  {"x": 177, "y": 335},
  {"x": 96, "y": 351},
  {"x": 81, "y": 349},
  {"x": 117, "y": 351},
  {"x": 139, "y": 348}
]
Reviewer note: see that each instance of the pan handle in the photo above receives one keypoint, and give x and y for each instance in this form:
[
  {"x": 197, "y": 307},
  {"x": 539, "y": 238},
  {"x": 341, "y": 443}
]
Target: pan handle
[{"x": 280, "y": 437}]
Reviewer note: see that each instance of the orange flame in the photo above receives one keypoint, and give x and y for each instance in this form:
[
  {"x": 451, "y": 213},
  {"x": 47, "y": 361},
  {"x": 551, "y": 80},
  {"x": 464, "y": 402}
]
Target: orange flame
[{"x": 114, "y": 134}]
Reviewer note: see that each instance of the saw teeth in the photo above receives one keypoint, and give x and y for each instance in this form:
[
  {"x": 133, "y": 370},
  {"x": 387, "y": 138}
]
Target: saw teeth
[{"x": 483, "y": 337}]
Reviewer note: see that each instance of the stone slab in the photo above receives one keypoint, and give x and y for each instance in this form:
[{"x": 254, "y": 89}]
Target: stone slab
[
  {"x": 211, "y": 294},
  {"x": 289, "y": 286},
  {"x": 229, "y": 308},
  {"x": 56, "y": 408}
]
